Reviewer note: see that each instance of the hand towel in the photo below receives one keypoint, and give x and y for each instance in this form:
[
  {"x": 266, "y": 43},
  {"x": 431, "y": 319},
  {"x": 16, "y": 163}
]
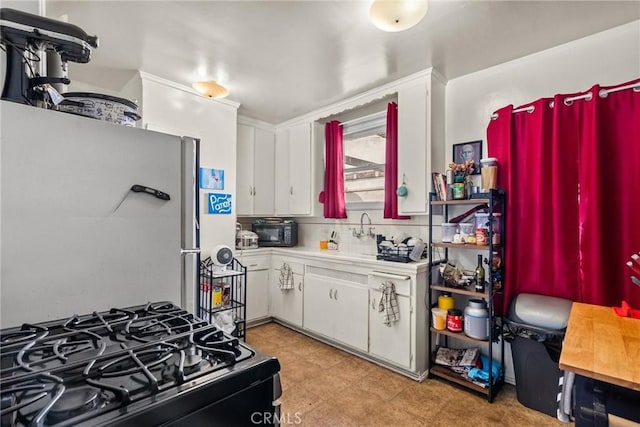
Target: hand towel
[
  {"x": 286, "y": 277},
  {"x": 388, "y": 303}
]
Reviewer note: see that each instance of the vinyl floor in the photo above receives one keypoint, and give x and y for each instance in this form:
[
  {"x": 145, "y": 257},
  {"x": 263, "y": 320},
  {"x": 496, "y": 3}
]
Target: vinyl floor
[{"x": 325, "y": 386}]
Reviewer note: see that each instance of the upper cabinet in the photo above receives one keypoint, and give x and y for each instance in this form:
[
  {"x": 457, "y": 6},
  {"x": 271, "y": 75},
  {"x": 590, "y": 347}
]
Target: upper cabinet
[
  {"x": 295, "y": 170},
  {"x": 421, "y": 139},
  {"x": 256, "y": 171}
]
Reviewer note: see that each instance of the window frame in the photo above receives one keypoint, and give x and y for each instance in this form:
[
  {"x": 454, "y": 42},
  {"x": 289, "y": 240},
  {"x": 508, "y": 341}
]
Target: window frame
[{"x": 362, "y": 125}]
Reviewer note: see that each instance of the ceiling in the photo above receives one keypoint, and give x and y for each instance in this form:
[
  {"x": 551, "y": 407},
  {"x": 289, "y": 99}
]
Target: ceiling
[{"x": 281, "y": 59}]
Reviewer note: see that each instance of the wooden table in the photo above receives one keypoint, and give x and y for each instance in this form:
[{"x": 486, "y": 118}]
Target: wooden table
[{"x": 598, "y": 344}]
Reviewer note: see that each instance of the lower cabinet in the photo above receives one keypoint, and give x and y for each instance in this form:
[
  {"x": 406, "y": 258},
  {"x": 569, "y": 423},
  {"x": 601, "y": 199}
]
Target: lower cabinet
[
  {"x": 286, "y": 304},
  {"x": 257, "y": 297},
  {"x": 390, "y": 342},
  {"x": 337, "y": 309}
]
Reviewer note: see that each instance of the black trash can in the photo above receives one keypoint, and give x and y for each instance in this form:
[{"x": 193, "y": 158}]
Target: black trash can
[{"x": 537, "y": 325}]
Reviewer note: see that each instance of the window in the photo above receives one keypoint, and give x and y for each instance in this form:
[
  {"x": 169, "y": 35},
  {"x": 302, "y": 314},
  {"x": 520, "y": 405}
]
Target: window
[{"x": 364, "y": 142}]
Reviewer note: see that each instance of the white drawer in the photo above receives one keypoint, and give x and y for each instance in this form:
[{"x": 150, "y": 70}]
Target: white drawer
[
  {"x": 402, "y": 283},
  {"x": 256, "y": 262},
  {"x": 296, "y": 267}
]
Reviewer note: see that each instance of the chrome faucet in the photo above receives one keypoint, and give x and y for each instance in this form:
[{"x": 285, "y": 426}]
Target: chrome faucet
[{"x": 361, "y": 232}]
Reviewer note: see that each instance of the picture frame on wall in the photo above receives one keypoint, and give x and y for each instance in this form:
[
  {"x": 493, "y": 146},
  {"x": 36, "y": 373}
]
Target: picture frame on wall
[{"x": 471, "y": 150}]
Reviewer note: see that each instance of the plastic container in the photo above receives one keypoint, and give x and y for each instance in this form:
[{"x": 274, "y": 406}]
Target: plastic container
[
  {"x": 448, "y": 231},
  {"x": 439, "y": 318},
  {"x": 489, "y": 172},
  {"x": 445, "y": 301},
  {"x": 537, "y": 324},
  {"x": 476, "y": 320},
  {"x": 466, "y": 229},
  {"x": 482, "y": 221},
  {"x": 454, "y": 320}
]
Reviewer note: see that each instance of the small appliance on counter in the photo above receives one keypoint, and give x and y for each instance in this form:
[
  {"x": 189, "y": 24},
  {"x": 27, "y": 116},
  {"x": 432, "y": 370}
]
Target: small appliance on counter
[
  {"x": 276, "y": 232},
  {"x": 246, "y": 239}
]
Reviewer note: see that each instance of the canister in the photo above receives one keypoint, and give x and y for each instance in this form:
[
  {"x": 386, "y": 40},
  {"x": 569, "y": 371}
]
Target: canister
[
  {"x": 454, "y": 320},
  {"x": 448, "y": 231},
  {"x": 445, "y": 301},
  {"x": 476, "y": 319}
]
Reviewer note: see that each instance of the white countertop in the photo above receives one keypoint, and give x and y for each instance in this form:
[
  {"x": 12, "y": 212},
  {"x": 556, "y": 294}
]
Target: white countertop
[{"x": 338, "y": 256}]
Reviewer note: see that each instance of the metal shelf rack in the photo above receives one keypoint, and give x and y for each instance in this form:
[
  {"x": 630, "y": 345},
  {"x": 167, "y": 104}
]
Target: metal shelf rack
[
  {"x": 496, "y": 203},
  {"x": 224, "y": 291}
]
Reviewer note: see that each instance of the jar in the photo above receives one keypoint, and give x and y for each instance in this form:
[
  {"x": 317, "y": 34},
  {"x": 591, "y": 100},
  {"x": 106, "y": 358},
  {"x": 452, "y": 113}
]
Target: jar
[
  {"x": 482, "y": 236},
  {"x": 476, "y": 320},
  {"x": 445, "y": 301},
  {"x": 458, "y": 190},
  {"x": 454, "y": 320},
  {"x": 482, "y": 221},
  {"x": 449, "y": 230}
]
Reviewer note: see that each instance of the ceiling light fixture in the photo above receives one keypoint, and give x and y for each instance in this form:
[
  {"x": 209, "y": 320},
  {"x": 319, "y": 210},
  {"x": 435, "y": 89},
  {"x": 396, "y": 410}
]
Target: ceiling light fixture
[
  {"x": 211, "y": 89},
  {"x": 397, "y": 15}
]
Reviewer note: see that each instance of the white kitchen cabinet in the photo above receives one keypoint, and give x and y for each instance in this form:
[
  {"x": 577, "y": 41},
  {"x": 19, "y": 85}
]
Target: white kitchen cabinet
[
  {"x": 286, "y": 304},
  {"x": 390, "y": 342},
  {"x": 336, "y": 309},
  {"x": 294, "y": 170},
  {"x": 257, "y": 297},
  {"x": 421, "y": 140},
  {"x": 256, "y": 171}
]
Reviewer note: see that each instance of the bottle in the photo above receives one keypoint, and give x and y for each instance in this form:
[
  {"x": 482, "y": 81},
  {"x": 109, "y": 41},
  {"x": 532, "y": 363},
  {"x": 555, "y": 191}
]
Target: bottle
[{"x": 479, "y": 275}]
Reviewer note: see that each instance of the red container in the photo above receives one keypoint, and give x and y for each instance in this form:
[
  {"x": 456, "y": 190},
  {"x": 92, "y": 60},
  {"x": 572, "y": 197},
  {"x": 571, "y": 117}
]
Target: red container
[{"x": 454, "y": 320}]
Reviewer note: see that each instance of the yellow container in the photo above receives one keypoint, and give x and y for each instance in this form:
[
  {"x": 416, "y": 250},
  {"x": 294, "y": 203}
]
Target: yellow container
[
  {"x": 445, "y": 302},
  {"x": 216, "y": 297},
  {"x": 439, "y": 318}
]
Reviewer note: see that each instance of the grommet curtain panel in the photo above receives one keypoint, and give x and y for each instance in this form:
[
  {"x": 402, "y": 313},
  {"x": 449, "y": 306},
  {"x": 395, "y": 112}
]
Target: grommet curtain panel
[
  {"x": 391, "y": 165},
  {"x": 334, "y": 205},
  {"x": 571, "y": 170}
]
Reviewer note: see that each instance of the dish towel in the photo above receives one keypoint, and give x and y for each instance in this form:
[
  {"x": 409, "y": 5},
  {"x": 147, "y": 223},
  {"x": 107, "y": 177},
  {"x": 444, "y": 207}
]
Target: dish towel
[
  {"x": 388, "y": 303},
  {"x": 286, "y": 277}
]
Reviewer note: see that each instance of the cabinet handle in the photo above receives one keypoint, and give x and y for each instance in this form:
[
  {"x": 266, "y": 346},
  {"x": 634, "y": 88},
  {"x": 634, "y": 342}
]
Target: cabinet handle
[
  {"x": 254, "y": 191},
  {"x": 335, "y": 295},
  {"x": 373, "y": 304},
  {"x": 291, "y": 190},
  {"x": 250, "y": 191},
  {"x": 330, "y": 290},
  {"x": 300, "y": 286},
  {"x": 253, "y": 265}
]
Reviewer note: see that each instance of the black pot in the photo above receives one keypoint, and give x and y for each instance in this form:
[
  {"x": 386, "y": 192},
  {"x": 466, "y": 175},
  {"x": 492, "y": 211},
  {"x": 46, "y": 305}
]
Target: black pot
[{"x": 101, "y": 107}]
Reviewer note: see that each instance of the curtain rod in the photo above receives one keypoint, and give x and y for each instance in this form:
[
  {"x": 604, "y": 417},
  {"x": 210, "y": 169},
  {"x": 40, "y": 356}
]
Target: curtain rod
[{"x": 568, "y": 101}]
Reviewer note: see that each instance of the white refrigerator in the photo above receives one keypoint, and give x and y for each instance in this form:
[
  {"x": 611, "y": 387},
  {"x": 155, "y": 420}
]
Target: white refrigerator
[{"x": 75, "y": 236}]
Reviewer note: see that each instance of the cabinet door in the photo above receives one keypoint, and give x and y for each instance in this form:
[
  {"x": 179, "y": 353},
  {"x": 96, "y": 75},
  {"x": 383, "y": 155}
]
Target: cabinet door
[
  {"x": 413, "y": 148},
  {"x": 351, "y": 316},
  {"x": 264, "y": 172},
  {"x": 300, "y": 169},
  {"x": 282, "y": 172},
  {"x": 244, "y": 180},
  {"x": 319, "y": 310},
  {"x": 286, "y": 304},
  {"x": 393, "y": 342},
  {"x": 257, "y": 294}
]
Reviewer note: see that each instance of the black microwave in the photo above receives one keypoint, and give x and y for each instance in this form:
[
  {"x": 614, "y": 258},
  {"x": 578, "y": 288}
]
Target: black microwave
[{"x": 274, "y": 232}]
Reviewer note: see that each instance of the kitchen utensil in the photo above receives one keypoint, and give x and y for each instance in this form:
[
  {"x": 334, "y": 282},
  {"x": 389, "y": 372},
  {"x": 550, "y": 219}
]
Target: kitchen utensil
[
  {"x": 137, "y": 188},
  {"x": 102, "y": 107}
]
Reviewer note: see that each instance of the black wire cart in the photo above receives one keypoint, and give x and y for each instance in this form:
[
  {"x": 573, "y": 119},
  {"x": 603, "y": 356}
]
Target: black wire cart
[{"x": 222, "y": 298}]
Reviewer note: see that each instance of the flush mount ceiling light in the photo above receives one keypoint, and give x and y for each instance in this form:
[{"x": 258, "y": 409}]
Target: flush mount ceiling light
[
  {"x": 211, "y": 89},
  {"x": 397, "y": 15}
]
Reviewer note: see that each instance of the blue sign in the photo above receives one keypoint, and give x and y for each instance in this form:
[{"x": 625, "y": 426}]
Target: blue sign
[{"x": 219, "y": 203}]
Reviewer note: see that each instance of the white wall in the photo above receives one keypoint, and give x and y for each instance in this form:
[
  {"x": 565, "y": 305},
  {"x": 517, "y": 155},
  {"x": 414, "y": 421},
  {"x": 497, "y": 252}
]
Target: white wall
[
  {"x": 179, "y": 111},
  {"x": 607, "y": 58}
]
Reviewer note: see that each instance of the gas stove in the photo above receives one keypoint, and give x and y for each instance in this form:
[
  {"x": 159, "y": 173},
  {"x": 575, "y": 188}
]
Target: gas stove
[{"x": 146, "y": 365}]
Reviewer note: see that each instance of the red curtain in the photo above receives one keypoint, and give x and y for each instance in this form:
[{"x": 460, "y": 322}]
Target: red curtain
[
  {"x": 569, "y": 172},
  {"x": 609, "y": 195},
  {"x": 334, "y": 206},
  {"x": 391, "y": 165}
]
